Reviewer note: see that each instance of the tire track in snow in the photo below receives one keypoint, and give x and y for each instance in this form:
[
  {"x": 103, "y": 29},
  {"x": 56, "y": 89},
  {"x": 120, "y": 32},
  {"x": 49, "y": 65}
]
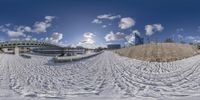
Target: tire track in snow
[{"x": 104, "y": 75}]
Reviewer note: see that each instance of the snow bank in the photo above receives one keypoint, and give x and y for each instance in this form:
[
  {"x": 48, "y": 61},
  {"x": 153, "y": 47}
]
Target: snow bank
[{"x": 74, "y": 58}]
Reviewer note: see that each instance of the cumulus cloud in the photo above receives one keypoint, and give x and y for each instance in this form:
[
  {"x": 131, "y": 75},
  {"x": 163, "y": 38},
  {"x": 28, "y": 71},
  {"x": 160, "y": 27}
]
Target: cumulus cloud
[
  {"x": 41, "y": 27},
  {"x": 88, "y": 41},
  {"x": 131, "y": 37},
  {"x": 194, "y": 39},
  {"x": 88, "y": 38},
  {"x": 28, "y": 37},
  {"x": 104, "y": 26},
  {"x": 88, "y": 35},
  {"x": 14, "y": 39},
  {"x": 100, "y": 18},
  {"x": 86, "y": 45},
  {"x": 55, "y": 38},
  {"x": 97, "y": 21},
  {"x": 180, "y": 37},
  {"x": 151, "y": 29},
  {"x": 17, "y": 31},
  {"x": 49, "y": 18},
  {"x": 114, "y": 36},
  {"x": 108, "y": 16},
  {"x": 126, "y": 23},
  {"x": 190, "y": 37}
]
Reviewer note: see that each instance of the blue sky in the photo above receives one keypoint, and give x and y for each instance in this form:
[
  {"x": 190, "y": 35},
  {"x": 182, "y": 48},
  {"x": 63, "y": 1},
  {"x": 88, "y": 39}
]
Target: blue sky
[{"x": 72, "y": 21}]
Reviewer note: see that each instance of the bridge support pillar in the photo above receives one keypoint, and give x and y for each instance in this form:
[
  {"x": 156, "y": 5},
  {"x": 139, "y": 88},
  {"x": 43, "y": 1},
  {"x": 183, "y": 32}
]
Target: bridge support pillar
[{"x": 16, "y": 50}]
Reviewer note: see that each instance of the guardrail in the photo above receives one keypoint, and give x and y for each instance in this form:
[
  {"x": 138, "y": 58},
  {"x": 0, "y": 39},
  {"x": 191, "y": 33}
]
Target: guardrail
[{"x": 73, "y": 58}]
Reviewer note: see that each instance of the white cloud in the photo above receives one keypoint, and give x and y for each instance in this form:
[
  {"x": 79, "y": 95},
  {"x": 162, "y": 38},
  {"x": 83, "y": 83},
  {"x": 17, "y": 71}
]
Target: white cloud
[
  {"x": 108, "y": 16},
  {"x": 131, "y": 37},
  {"x": 88, "y": 35},
  {"x": 86, "y": 45},
  {"x": 88, "y": 38},
  {"x": 114, "y": 36},
  {"x": 14, "y": 39},
  {"x": 191, "y": 37},
  {"x": 97, "y": 21},
  {"x": 49, "y": 18},
  {"x": 34, "y": 39},
  {"x": 126, "y": 23},
  {"x": 88, "y": 41},
  {"x": 158, "y": 27},
  {"x": 151, "y": 29},
  {"x": 41, "y": 27},
  {"x": 8, "y": 24},
  {"x": 55, "y": 38},
  {"x": 136, "y": 32},
  {"x": 104, "y": 26},
  {"x": 17, "y": 31},
  {"x": 180, "y": 37},
  {"x": 27, "y": 29},
  {"x": 28, "y": 37},
  {"x": 179, "y": 30},
  {"x": 194, "y": 39}
]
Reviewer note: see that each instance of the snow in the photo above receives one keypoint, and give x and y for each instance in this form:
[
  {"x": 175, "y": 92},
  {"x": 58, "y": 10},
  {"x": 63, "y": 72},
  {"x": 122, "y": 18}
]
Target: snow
[
  {"x": 74, "y": 58},
  {"x": 106, "y": 76}
]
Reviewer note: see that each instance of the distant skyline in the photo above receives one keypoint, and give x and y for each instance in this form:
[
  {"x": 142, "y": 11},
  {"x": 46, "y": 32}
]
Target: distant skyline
[{"x": 93, "y": 23}]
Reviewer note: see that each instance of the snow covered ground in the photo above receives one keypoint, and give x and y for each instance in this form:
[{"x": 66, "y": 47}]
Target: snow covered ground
[
  {"x": 75, "y": 58},
  {"x": 106, "y": 76}
]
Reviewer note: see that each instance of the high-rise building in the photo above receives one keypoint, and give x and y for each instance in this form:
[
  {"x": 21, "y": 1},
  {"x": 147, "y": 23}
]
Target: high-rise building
[
  {"x": 114, "y": 46},
  {"x": 138, "y": 39}
]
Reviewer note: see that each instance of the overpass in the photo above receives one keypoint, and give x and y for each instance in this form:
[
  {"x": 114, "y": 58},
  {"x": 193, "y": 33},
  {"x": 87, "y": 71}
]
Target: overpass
[
  {"x": 24, "y": 46},
  {"x": 13, "y": 44},
  {"x": 38, "y": 47}
]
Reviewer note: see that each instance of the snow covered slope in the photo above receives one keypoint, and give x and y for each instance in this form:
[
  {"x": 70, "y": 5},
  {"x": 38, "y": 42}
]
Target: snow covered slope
[{"x": 106, "y": 76}]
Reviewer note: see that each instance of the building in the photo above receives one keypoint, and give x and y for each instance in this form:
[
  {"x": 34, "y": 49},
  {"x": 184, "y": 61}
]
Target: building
[
  {"x": 113, "y": 46},
  {"x": 138, "y": 39}
]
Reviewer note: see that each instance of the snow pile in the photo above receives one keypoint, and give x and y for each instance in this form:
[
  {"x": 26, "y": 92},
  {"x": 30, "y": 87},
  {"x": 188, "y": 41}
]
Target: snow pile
[
  {"x": 105, "y": 76},
  {"x": 74, "y": 58}
]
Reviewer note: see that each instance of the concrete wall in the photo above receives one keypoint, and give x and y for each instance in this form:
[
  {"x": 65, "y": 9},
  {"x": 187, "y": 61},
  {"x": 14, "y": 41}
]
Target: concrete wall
[
  {"x": 16, "y": 50},
  {"x": 8, "y": 50}
]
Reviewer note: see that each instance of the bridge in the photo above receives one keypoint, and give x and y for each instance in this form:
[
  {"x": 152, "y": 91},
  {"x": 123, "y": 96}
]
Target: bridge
[
  {"x": 17, "y": 47},
  {"x": 24, "y": 46},
  {"x": 13, "y": 44}
]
